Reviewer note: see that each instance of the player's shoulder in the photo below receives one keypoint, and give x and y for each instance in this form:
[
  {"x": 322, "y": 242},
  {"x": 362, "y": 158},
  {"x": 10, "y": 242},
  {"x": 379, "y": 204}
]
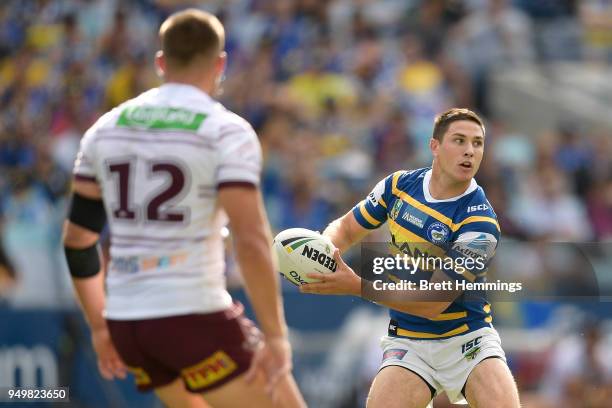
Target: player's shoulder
[
  {"x": 477, "y": 204},
  {"x": 404, "y": 179},
  {"x": 476, "y": 215},
  {"x": 230, "y": 127},
  {"x": 110, "y": 119},
  {"x": 228, "y": 120}
]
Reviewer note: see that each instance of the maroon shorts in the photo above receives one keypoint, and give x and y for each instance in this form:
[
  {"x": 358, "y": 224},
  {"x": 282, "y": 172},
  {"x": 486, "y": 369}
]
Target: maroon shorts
[{"x": 205, "y": 350}]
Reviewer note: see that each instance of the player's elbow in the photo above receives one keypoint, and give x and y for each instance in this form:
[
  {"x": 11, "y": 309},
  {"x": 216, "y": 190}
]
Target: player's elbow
[{"x": 75, "y": 236}]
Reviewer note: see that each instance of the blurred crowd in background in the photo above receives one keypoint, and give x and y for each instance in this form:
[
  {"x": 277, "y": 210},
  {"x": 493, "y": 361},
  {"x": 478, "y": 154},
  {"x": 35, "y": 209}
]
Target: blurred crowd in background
[{"x": 341, "y": 93}]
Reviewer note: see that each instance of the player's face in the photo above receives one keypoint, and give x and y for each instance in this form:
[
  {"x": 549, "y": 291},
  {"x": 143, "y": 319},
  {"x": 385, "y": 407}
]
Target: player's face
[{"x": 460, "y": 152}]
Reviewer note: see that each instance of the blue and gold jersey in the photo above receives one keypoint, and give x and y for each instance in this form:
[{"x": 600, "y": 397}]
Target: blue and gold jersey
[{"x": 421, "y": 226}]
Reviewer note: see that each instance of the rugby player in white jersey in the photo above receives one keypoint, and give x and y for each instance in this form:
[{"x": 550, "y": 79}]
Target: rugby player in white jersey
[
  {"x": 168, "y": 169},
  {"x": 438, "y": 341}
]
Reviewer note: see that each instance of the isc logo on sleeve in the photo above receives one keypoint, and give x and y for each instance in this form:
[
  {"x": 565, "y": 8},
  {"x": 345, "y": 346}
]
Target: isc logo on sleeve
[{"x": 479, "y": 207}]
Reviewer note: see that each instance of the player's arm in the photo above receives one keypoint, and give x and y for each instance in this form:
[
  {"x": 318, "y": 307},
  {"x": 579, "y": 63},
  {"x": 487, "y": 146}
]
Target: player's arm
[
  {"x": 415, "y": 302},
  {"x": 85, "y": 221},
  {"x": 239, "y": 163},
  {"x": 419, "y": 302},
  {"x": 237, "y": 180},
  {"x": 476, "y": 239},
  {"x": 366, "y": 216},
  {"x": 252, "y": 237},
  {"x": 345, "y": 232},
  {"x": 427, "y": 303}
]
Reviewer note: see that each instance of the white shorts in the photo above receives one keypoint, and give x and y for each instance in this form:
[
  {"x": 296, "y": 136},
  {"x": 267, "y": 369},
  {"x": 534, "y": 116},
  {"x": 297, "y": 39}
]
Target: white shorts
[{"x": 444, "y": 364}]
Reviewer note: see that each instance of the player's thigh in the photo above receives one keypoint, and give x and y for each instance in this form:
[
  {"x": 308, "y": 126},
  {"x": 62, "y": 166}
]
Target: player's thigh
[
  {"x": 397, "y": 387},
  {"x": 175, "y": 395},
  {"x": 238, "y": 394},
  {"x": 490, "y": 385}
]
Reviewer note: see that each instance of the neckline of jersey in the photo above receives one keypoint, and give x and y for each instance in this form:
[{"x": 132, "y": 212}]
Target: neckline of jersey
[
  {"x": 184, "y": 89},
  {"x": 427, "y": 178}
]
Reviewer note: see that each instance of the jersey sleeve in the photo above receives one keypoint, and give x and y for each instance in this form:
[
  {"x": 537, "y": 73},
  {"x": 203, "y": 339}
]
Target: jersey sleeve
[
  {"x": 371, "y": 213},
  {"x": 472, "y": 251},
  {"x": 239, "y": 154},
  {"x": 84, "y": 165}
]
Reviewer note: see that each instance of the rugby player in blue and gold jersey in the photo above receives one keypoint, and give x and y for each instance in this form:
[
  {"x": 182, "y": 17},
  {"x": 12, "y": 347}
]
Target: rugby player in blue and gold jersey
[{"x": 435, "y": 344}]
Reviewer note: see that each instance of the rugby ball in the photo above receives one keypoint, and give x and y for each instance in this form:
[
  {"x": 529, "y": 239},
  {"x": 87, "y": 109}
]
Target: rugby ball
[{"x": 300, "y": 251}]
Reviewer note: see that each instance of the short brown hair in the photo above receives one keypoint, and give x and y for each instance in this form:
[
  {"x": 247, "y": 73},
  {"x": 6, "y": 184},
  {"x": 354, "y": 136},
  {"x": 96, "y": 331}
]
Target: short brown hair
[
  {"x": 191, "y": 33},
  {"x": 444, "y": 120}
]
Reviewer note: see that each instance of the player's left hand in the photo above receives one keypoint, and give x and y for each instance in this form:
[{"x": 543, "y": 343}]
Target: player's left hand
[{"x": 342, "y": 282}]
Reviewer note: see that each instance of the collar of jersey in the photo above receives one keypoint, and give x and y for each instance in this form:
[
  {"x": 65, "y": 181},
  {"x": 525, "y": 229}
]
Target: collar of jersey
[
  {"x": 184, "y": 90},
  {"x": 473, "y": 186}
]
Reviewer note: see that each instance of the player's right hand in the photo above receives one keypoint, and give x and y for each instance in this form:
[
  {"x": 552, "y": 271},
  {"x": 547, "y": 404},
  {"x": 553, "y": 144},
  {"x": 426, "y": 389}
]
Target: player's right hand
[
  {"x": 342, "y": 282},
  {"x": 109, "y": 362},
  {"x": 273, "y": 358}
]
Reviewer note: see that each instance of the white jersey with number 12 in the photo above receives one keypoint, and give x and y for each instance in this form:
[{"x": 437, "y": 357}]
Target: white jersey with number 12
[{"x": 159, "y": 159}]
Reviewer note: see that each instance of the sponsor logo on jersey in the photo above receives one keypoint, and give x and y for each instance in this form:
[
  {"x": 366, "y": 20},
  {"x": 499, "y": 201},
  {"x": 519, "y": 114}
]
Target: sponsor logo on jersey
[
  {"x": 471, "y": 349},
  {"x": 209, "y": 371},
  {"x": 397, "y": 207},
  {"x": 461, "y": 248},
  {"x": 125, "y": 264},
  {"x": 476, "y": 244},
  {"x": 480, "y": 243},
  {"x": 412, "y": 216},
  {"x": 438, "y": 233},
  {"x": 157, "y": 117},
  {"x": 394, "y": 354},
  {"x": 479, "y": 207},
  {"x": 133, "y": 264}
]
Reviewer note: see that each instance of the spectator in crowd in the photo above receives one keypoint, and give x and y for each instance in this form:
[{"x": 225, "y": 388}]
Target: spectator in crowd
[{"x": 580, "y": 373}]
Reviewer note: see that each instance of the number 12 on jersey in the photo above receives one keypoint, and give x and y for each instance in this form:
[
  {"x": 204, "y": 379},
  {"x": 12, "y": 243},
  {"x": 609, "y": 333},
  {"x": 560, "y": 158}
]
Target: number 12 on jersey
[{"x": 156, "y": 202}]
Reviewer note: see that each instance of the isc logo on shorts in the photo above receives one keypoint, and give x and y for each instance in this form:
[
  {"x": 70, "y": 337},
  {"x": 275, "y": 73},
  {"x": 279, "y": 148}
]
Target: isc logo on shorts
[
  {"x": 471, "y": 348},
  {"x": 209, "y": 371}
]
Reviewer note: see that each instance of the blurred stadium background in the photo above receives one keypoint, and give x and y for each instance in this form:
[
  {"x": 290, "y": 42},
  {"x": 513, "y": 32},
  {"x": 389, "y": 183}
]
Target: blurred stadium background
[{"x": 341, "y": 93}]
